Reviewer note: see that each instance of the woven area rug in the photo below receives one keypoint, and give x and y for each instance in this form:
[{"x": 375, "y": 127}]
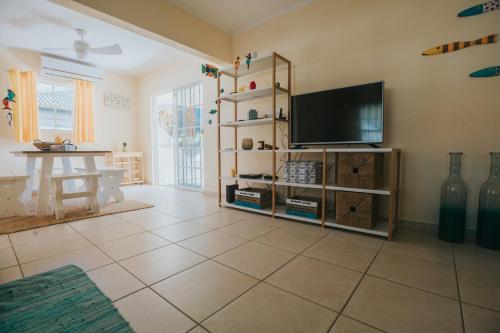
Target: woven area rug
[
  {"x": 62, "y": 300},
  {"x": 73, "y": 213}
]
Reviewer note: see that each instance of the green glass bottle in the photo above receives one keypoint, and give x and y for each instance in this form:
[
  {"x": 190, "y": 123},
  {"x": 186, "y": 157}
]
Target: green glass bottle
[
  {"x": 488, "y": 220},
  {"x": 453, "y": 203}
]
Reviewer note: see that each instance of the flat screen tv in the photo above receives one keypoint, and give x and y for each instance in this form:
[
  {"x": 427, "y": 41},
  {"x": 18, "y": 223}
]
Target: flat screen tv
[{"x": 345, "y": 115}]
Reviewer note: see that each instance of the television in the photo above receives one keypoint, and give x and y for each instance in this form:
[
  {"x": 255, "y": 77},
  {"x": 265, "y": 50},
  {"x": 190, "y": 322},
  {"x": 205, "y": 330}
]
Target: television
[{"x": 339, "y": 116}]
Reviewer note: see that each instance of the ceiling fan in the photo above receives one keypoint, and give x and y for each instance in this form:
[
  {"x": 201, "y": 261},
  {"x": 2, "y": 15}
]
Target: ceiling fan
[{"x": 82, "y": 48}]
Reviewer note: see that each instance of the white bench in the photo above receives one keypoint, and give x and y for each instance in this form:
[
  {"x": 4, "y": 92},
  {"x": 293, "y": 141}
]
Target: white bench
[
  {"x": 11, "y": 188},
  {"x": 58, "y": 194},
  {"x": 109, "y": 184}
]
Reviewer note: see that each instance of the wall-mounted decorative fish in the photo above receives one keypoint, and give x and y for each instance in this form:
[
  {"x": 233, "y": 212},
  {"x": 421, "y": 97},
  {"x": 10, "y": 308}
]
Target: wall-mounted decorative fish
[
  {"x": 450, "y": 47},
  {"x": 486, "y": 72},
  {"x": 480, "y": 9}
]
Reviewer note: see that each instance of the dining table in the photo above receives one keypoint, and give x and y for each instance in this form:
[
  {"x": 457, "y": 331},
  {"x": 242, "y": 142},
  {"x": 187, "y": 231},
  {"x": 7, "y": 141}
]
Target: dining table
[{"x": 47, "y": 168}]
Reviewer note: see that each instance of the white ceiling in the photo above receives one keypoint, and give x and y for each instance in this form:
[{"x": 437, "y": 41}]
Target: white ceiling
[
  {"x": 237, "y": 15},
  {"x": 39, "y": 24}
]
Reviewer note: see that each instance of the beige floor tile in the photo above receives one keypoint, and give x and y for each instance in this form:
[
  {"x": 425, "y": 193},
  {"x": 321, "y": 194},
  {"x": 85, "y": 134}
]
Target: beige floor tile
[
  {"x": 4, "y": 242},
  {"x": 87, "y": 258},
  {"x": 123, "y": 248},
  {"x": 96, "y": 223},
  {"x": 480, "y": 288},
  {"x": 396, "y": 308},
  {"x": 212, "y": 243},
  {"x": 7, "y": 258},
  {"x": 421, "y": 245},
  {"x": 189, "y": 213},
  {"x": 293, "y": 237},
  {"x": 252, "y": 228},
  {"x": 479, "y": 320},
  {"x": 107, "y": 234},
  {"x": 204, "y": 289},
  {"x": 266, "y": 309},
  {"x": 114, "y": 281},
  {"x": 198, "y": 329},
  {"x": 40, "y": 234},
  {"x": 255, "y": 259},
  {"x": 181, "y": 231},
  {"x": 345, "y": 324},
  {"x": 149, "y": 313},
  {"x": 10, "y": 274},
  {"x": 356, "y": 238},
  {"x": 475, "y": 258},
  {"x": 218, "y": 220},
  {"x": 42, "y": 249},
  {"x": 415, "y": 272},
  {"x": 153, "y": 266},
  {"x": 317, "y": 281},
  {"x": 342, "y": 253},
  {"x": 148, "y": 219}
]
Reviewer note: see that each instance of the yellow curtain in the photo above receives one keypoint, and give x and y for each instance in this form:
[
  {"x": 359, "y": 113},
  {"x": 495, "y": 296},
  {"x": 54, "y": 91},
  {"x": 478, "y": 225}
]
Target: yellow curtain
[
  {"x": 25, "y": 108},
  {"x": 84, "y": 112}
]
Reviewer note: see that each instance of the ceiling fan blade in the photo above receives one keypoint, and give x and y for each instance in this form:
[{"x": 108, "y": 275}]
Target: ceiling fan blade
[{"x": 107, "y": 50}]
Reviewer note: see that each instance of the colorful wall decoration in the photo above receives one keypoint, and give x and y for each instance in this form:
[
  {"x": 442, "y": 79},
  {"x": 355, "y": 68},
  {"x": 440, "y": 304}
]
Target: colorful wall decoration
[
  {"x": 480, "y": 9},
  {"x": 455, "y": 46},
  {"x": 486, "y": 72}
]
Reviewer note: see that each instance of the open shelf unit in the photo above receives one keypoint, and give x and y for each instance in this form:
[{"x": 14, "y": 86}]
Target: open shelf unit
[{"x": 384, "y": 227}]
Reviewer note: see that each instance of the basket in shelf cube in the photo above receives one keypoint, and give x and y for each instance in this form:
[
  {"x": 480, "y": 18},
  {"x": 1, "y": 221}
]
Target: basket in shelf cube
[
  {"x": 251, "y": 197},
  {"x": 358, "y": 210},
  {"x": 361, "y": 170},
  {"x": 304, "y": 207}
]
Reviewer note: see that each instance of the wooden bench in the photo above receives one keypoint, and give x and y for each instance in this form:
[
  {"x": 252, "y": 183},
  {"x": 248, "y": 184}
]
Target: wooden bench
[
  {"x": 58, "y": 194},
  {"x": 109, "y": 184},
  {"x": 11, "y": 188}
]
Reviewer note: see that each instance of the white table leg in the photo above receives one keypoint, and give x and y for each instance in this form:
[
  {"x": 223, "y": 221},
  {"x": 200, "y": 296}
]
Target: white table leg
[
  {"x": 89, "y": 163},
  {"x": 42, "y": 201},
  {"x": 30, "y": 171},
  {"x": 67, "y": 168}
]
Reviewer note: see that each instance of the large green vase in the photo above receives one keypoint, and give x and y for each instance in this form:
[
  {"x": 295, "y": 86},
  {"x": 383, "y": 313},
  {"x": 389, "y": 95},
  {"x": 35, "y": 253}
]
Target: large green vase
[
  {"x": 453, "y": 203},
  {"x": 488, "y": 220}
]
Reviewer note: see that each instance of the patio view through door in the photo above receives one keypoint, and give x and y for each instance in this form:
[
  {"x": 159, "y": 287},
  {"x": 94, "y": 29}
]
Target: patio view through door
[{"x": 177, "y": 133}]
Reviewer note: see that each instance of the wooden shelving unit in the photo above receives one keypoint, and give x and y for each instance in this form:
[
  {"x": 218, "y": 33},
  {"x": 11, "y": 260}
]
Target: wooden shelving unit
[
  {"x": 132, "y": 162},
  {"x": 384, "y": 227}
]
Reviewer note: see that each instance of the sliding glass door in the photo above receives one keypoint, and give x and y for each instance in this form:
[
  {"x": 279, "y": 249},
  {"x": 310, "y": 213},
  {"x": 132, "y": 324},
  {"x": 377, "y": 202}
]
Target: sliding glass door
[{"x": 178, "y": 156}]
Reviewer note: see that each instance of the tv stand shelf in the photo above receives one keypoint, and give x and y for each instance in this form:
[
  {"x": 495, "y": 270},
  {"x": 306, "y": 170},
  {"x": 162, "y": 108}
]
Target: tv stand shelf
[{"x": 383, "y": 227}]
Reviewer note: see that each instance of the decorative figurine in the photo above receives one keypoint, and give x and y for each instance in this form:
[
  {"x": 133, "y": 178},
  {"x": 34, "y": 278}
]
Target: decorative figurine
[
  {"x": 480, "y": 9},
  {"x": 486, "y": 72},
  {"x": 248, "y": 60},
  {"x": 237, "y": 63},
  {"x": 261, "y": 145},
  {"x": 221, "y": 90},
  {"x": 209, "y": 70},
  {"x": 10, "y": 98},
  {"x": 213, "y": 111},
  {"x": 124, "y": 147},
  {"x": 450, "y": 47},
  {"x": 253, "y": 85},
  {"x": 233, "y": 172}
]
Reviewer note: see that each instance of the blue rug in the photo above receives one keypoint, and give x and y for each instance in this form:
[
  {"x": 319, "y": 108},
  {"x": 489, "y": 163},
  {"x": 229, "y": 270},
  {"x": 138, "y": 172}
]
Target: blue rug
[{"x": 62, "y": 300}]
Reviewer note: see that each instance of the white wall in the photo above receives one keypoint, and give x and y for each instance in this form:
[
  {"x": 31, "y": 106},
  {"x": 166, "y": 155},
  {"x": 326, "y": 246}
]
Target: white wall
[
  {"x": 176, "y": 75},
  {"x": 112, "y": 126}
]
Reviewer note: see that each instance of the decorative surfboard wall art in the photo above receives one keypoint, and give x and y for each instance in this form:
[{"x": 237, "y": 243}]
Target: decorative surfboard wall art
[
  {"x": 486, "y": 72},
  {"x": 480, "y": 9},
  {"x": 450, "y": 47}
]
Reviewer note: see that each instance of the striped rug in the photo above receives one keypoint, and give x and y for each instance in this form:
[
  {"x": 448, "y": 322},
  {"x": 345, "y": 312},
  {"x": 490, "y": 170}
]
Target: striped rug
[{"x": 61, "y": 300}]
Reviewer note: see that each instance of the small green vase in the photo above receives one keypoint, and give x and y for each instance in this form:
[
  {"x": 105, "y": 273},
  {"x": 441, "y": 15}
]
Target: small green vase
[
  {"x": 488, "y": 219},
  {"x": 452, "y": 210}
]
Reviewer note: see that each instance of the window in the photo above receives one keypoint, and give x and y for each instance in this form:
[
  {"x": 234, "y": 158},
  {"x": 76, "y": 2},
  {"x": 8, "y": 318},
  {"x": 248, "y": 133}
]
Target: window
[{"x": 56, "y": 103}]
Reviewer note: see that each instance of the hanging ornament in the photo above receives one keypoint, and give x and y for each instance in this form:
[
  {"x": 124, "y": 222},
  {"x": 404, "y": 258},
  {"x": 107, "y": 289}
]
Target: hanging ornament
[{"x": 10, "y": 98}]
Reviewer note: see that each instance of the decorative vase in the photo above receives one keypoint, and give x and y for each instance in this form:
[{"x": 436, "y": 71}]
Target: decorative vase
[
  {"x": 453, "y": 203},
  {"x": 124, "y": 147},
  {"x": 488, "y": 220},
  {"x": 247, "y": 144}
]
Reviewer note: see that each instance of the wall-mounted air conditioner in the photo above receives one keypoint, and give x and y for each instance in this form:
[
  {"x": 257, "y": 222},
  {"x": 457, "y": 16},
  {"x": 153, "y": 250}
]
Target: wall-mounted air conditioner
[{"x": 68, "y": 69}]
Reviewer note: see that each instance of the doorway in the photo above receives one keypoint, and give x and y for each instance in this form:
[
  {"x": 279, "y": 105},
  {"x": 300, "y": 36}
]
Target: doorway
[{"x": 177, "y": 137}]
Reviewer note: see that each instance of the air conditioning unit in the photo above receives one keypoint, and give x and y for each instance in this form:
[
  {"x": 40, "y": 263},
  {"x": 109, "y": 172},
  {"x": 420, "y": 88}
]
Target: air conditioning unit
[{"x": 68, "y": 69}]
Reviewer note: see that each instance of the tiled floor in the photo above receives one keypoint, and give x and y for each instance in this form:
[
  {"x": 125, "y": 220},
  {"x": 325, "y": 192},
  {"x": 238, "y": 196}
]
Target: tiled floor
[{"x": 187, "y": 265}]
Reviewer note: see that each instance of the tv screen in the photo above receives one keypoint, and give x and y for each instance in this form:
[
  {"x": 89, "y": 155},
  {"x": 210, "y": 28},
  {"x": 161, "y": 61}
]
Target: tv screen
[{"x": 345, "y": 115}]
